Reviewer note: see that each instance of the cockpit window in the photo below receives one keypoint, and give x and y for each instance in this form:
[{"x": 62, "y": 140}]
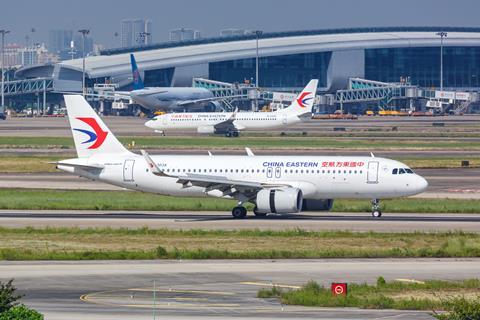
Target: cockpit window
[
  {"x": 401, "y": 171},
  {"x": 408, "y": 170},
  {"x": 395, "y": 171}
]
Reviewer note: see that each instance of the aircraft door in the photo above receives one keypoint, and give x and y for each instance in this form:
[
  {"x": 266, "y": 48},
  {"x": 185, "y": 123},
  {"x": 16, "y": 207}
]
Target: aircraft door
[
  {"x": 269, "y": 172},
  {"x": 278, "y": 172},
  {"x": 128, "y": 170},
  {"x": 372, "y": 173}
]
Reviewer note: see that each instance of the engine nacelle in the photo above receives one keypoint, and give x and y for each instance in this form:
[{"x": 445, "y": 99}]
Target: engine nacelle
[
  {"x": 285, "y": 200},
  {"x": 206, "y": 129},
  {"x": 317, "y": 205}
]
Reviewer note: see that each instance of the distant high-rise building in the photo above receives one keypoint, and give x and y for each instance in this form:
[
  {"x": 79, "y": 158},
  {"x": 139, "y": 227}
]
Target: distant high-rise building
[
  {"x": 59, "y": 40},
  {"x": 183, "y": 34},
  {"x": 136, "y": 32},
  {"x": 232, "y": 32}
]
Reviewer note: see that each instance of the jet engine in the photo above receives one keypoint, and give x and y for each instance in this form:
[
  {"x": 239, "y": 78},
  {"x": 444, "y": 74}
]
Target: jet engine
[
  {"x": 317, "y": 205},
  {"x": 285, "y": 200}
]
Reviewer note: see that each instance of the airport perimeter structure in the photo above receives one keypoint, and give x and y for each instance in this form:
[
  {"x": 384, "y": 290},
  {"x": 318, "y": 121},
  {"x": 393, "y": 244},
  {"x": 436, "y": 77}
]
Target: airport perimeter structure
[{"x": 287, "y": 61}]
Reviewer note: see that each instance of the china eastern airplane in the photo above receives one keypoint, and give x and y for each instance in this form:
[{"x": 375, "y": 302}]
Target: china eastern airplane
[
  {"x": 274, "y": 184},
  {"x": 230, "y": 123}
]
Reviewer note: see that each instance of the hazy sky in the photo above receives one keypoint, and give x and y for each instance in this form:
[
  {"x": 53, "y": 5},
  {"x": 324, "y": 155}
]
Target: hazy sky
[{"x": 103, "y": 17}]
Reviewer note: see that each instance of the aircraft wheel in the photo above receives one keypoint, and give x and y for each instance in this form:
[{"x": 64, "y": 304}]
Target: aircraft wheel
[
  {"x": 376, "y": 213},
  {"x": 239, "y": 212},
  {"x": 228, "y": 134},
  {"x": 235, "y": 134},
  {"x": 259, "y": 214}
]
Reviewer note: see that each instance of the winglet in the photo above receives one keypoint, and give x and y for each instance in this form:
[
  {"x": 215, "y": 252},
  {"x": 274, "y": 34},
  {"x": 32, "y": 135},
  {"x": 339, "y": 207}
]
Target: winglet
[
  {"x": 249, "y": 152},
  {"x": 209, "y": 153},
  {"x": 372, "y": 155},
  {"x": 152, "y": 165}
]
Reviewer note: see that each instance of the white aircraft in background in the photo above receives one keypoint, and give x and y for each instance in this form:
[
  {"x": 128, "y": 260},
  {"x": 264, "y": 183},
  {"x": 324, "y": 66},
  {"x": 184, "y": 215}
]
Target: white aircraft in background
[
  {"x": 230, "y": 124},
  {"x": 275, "y": 184}
]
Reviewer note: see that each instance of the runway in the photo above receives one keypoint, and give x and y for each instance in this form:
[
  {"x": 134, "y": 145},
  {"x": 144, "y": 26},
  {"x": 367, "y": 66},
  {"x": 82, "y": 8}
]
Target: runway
[
  {"x": 134, "y": 126},
  {"x": 459, "y": 183},
  {"x": 216, "y": 288},
  {"x": 313, "y": 221}
]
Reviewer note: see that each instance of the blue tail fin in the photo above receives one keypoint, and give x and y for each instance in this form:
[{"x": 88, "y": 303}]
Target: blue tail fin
[{"x": 137, "y": 80}]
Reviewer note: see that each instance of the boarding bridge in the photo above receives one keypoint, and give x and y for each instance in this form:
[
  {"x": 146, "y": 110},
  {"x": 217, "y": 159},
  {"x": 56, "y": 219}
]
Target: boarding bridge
[
  {"x": 28, "y": 86},
  {"x": 363, "y": 90}
]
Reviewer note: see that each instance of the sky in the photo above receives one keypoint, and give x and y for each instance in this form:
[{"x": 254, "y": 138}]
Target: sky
[{"x": 103, "y": 17}]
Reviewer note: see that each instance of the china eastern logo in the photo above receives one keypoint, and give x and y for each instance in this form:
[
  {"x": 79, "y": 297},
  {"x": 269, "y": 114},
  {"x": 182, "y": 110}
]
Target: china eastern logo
[
  {"x": 302, "y": 99},
  {"x": 97, "y": 136}
]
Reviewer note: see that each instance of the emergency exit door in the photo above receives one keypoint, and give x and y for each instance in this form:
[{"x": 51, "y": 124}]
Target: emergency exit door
[
  {"x": 128, "y": 170},
  {"x": 372, "y": 173}
]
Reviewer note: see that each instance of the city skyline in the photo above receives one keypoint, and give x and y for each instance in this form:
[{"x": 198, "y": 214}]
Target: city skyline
[{"x": 211, "y": 16}]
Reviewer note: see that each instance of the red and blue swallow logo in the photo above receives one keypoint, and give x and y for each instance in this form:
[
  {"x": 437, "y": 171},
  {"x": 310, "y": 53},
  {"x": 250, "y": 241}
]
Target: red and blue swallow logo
[
  {"x": 302, "y": 99},
  {"x": 97, "y": 136}
]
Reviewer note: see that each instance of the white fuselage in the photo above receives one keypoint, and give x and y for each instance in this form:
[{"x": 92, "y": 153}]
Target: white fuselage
[
  {"x": 326, "y": 177},
  {"x": 243, "y": 120}
]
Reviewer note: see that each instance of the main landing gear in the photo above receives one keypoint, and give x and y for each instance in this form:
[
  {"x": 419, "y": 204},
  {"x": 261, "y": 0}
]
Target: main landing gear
[
  {"x": 376, "y": 213},
  {"x": 239, "y": 212},
  {"x": 232, "y": 133}
]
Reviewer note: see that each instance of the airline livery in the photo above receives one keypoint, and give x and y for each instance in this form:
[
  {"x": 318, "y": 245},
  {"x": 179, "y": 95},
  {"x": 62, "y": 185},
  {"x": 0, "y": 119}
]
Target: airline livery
[
  {"x": 274, "y": 184},
  {"x": 231, "y": 123}
]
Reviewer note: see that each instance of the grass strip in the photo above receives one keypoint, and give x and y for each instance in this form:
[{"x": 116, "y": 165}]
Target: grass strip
[
  {"x": 280, "y": 142},
  {"x": 428, "y": 295},
  {"x": 46, "y": 199},
  {"x": 145, "y": 243}
]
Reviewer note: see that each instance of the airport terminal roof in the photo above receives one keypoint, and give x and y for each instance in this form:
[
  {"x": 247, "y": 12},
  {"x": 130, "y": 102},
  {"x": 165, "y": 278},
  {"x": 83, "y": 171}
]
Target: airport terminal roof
[
  {"x": 283, "y": 34},
  {"x": 116, "y": 62}
]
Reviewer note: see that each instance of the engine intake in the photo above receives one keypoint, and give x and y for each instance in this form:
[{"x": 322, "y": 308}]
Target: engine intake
[{"x": 285, "y": 200}]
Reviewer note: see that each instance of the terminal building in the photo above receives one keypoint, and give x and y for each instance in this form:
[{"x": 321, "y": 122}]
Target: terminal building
[{"x": 288, "y": 60}]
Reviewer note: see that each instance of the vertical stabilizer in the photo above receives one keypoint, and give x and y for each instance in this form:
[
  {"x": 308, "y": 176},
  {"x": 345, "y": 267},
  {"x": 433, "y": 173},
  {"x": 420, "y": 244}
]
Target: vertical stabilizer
[
  {"x": 90, "y": 134},
  {"x": 303, "y": 103},
  {"x": 137, "y": 79}
]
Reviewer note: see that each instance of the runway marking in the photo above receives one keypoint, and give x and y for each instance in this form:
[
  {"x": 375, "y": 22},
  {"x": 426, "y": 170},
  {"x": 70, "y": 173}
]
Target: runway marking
[
  {"x": 410, "y": 281},
  {"x": 223, "y": 293},
  {"x": 270, "y": 284}
]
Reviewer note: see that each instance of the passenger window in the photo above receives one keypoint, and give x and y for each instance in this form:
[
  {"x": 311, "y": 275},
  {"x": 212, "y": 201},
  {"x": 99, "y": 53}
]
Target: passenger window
[{"x": 395, "y": 171}]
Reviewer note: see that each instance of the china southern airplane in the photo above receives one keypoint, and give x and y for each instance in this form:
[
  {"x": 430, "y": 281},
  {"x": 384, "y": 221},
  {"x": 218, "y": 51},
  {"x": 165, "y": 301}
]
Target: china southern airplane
[
  {"x": 274, "y": 184},
  {"x": 166, "y": 98},
  {"x": 230, "y": 123}
]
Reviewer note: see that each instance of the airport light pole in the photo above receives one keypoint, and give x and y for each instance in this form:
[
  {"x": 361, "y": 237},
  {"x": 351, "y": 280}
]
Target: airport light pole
[
  {"x": 258, "y": 34},
  {"x": 84, "y": 33},
  {"x": 3, "y": 32},
  {"x": 442, "y": 35}
]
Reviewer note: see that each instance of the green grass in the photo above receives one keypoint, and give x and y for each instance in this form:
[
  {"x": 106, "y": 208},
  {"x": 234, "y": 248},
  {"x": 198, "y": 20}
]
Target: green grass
[
  {"x": 144, "y": 243},
  {"x": 278, "y": 142},
  {"x": 429, "y": 295},
  {"x": 38, "y": 199}
]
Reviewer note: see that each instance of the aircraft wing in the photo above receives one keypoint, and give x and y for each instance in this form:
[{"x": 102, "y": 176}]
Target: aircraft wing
[
  {"x": 187, "y": 102},
  {"x": 227, "y": 186}
]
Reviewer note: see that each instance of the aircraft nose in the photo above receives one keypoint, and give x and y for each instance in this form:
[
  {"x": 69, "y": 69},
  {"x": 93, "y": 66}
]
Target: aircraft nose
[
  {"x": 149, "y": 124},
  {"x": 421, "y": 184}
]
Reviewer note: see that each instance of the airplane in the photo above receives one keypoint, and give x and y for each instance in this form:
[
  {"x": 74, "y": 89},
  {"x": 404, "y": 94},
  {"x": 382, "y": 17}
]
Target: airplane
[
  {"x": 274, "y": 184},
  {"x": 230, "y": 123},
  {"x": 167, "y": 98}
]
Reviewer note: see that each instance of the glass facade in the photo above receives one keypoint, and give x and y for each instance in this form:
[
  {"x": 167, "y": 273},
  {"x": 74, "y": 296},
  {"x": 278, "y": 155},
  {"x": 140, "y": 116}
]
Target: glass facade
[
  {"x": 288, "y": 71},
  {"x": 461, "y": 66},
  {"x": 159, "y": 77}
]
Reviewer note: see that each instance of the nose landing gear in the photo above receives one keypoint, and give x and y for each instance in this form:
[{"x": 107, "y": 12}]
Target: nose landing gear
[{"x": 376, "y": 213}]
